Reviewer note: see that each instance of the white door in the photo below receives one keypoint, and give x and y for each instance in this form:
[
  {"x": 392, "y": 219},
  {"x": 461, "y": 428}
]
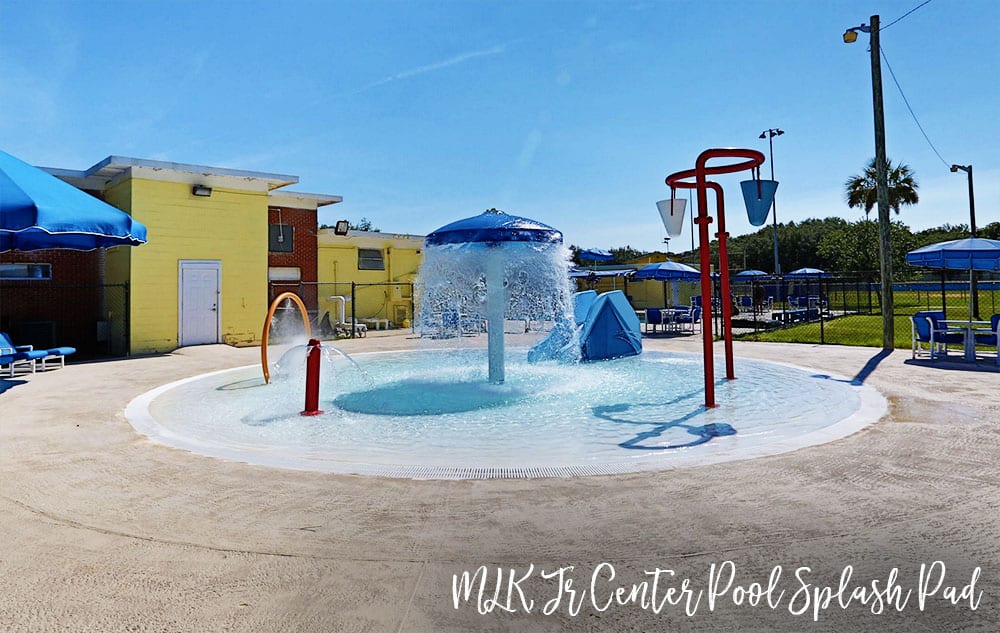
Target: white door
[{"x": 198, "y": 296}]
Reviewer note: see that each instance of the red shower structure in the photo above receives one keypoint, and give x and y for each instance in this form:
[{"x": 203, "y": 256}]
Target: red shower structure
[{"x": 744, "y": 159}]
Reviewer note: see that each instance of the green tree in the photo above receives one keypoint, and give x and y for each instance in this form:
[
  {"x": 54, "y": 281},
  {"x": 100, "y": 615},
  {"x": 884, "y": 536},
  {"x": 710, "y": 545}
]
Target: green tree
[
  {"x": 861, "y": 191},
  {"x": 853, "y": 247},
  {"x": 624, "y": 254},
  {"x": 991, "y": 231},
  {"x": 942, "y": 233},
  {"x": 362, "y": 225}
]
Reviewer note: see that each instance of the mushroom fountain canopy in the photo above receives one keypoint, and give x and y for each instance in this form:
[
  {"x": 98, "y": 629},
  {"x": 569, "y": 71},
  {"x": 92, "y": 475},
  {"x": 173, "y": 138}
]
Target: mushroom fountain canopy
[{"x": 491, "y": 227}]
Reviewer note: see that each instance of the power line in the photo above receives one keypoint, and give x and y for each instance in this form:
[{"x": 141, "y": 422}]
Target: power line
[
  {"x": 906, "y": 101},
  {"x": 904, "y": 15}
]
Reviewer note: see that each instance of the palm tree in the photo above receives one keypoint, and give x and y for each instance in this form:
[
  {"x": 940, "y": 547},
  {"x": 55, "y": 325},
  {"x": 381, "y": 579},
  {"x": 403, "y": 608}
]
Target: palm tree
[{"x": 861, "y": 191}]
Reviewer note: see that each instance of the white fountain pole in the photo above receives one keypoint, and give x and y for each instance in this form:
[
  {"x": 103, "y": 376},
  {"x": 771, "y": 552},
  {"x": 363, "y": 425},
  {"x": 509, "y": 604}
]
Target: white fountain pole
[{"x": 495, "y": 307}]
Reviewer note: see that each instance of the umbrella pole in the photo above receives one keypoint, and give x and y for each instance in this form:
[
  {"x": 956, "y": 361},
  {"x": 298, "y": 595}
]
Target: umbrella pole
[
  {"x": 972, "y": 301},
  {"x": 944, "y": 303}
]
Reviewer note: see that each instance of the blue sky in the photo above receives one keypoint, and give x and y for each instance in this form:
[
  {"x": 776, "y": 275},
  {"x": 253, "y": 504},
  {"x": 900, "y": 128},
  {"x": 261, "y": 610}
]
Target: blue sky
[{"x": 571, "y": 113}]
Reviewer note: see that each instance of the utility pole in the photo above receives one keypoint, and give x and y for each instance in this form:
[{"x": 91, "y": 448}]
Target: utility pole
[
  {"x": 882, "y": 193},
  {"x": 881, "y": 181}
]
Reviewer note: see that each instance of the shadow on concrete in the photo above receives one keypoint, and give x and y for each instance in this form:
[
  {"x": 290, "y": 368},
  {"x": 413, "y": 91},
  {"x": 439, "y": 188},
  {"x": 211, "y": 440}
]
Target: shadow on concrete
[
  {"x": 873, "y": 362},
  {"x": 8, "y": 383},
  {"x": 866, "y": 371},
  {"x": 984, "y": 366}
]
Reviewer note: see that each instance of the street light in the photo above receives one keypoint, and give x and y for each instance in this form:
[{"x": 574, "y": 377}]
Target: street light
[
  {"x": 974, "y": 289},
  {"x": 881, "y": 180},
  {"x": 769, "y": 134}
]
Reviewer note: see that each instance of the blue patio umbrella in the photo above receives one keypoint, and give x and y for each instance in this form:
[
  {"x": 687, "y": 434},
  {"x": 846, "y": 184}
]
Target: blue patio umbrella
[
  {"x": 39, "y": 211},
  {"x": 668, "y": 271},
  {"x": 971, "y": 253},
  {"x": 804, "y": 273},
  {"x": 595, "y": 255},
  {"x": 751, "y": 273}
]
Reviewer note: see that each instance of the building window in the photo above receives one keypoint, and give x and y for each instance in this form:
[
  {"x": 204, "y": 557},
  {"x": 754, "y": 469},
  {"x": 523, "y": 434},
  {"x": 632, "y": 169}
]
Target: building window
[
  {"x": 370, "y": 259},
  {"x": 25, "y": 271},
  {"x": 281, "y": 238}
]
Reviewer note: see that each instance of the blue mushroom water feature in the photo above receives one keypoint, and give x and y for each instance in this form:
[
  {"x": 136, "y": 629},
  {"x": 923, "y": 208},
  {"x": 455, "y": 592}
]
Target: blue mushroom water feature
[{"x": 488, "y": 268}]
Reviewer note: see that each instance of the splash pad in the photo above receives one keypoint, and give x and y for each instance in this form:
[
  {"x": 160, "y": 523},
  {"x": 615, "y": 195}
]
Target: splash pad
[
  {"x": 433, "y": 414},
  {"x": 488, "y": 412}
]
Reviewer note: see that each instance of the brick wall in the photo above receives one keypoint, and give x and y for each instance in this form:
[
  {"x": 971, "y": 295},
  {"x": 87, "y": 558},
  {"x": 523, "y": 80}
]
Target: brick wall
[
  {"x": 71, "y": 300},
  {"x": 304, "y": 254}
]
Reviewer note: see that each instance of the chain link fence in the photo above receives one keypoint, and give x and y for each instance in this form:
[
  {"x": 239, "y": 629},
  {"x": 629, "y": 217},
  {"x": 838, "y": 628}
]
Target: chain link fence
[
  {"x": 351, "y": 308},
  {"x": 845, "y": 310},
  {"x": 93, "y": 318}
]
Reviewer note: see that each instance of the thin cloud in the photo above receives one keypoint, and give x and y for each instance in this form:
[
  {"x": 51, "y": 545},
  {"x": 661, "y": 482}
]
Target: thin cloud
[{"x": 451, "y": 61}]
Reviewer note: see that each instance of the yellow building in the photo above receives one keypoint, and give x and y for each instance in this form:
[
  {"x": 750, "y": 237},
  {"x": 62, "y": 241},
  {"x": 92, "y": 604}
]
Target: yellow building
[
  {"x": 369, "y": 275},
  {"x": 203, "y": 275}
]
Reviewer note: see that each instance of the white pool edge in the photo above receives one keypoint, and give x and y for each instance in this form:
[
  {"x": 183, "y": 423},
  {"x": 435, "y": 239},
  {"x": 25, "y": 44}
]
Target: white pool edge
[{"x": 873, "y": 406}]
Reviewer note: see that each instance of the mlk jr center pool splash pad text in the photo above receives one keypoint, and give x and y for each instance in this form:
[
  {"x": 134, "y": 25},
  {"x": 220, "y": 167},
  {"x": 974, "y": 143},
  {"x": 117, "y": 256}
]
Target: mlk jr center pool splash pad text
[{"x": 432, "y": 414}]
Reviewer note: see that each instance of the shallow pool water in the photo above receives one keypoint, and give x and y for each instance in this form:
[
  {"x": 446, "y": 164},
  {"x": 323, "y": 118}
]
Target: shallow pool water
[{"x": 432, "y": 414}]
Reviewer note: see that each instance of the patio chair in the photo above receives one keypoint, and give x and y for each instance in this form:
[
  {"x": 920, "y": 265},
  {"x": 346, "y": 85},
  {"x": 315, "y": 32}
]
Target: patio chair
[
  {"x": 692, "y": 319},
  {"x": 746, "y": 303},
  {"x": 926, "y": 329},
  {"x": 989, "y": 339},
  {"x": 653, "y": 317},
  {"x": 13, "y": 355}
]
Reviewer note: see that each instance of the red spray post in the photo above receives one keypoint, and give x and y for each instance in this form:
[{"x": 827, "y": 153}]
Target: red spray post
[{"x": 312, "y": 378}]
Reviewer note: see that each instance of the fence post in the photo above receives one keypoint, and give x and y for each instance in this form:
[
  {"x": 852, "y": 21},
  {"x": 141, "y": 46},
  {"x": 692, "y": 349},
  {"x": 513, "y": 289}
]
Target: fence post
[
  {"x": 868, "y": 284},
  {"x": 413, "y": 310},
  {"x": 822, "y": 335},
  {"x": 354, "y": 303},
  {"x": 128, "y": 321}
]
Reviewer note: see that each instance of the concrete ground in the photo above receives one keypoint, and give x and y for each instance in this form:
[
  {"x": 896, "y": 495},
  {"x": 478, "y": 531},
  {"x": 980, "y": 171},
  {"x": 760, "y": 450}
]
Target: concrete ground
[{"x": 102, "y": 530}]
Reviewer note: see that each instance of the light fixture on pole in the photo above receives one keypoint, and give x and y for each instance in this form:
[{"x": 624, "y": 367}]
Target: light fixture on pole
[
  {"x": 974, "y": 289},
  {"x": 769, "y": 134},
  {"x": 881, "y": 180}
]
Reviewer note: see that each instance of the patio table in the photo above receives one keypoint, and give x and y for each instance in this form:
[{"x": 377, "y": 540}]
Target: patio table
[
  {"x": 968, "y": 329},
  {"x": 669, "y": 317}
]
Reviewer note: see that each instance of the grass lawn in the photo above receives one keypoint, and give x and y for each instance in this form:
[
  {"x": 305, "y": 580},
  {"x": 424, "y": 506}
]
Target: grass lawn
[{"x": 866, "y": 329}]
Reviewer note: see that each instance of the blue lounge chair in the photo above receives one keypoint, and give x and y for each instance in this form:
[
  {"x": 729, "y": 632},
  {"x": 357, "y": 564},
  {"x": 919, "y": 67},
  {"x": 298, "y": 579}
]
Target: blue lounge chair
[
  {"x": 13, "y": 355},
  {"x": 989, "y": 339},
  {"x": 926, "y": 330},
  {"x": 57, "y": 354}
]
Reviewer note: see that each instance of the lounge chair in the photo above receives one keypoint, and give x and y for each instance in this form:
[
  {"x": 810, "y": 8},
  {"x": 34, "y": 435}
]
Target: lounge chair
[
  {"x": 925, "y": 329},
  {"x": 13, "y": 355},
  {"x": 57, "y": 354},
  {"x": 989, "y": 339}
]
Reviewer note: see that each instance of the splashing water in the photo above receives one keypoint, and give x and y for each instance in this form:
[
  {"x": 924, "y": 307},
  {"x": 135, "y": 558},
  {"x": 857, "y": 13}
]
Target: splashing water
[{"x": 465, "y": 286}]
